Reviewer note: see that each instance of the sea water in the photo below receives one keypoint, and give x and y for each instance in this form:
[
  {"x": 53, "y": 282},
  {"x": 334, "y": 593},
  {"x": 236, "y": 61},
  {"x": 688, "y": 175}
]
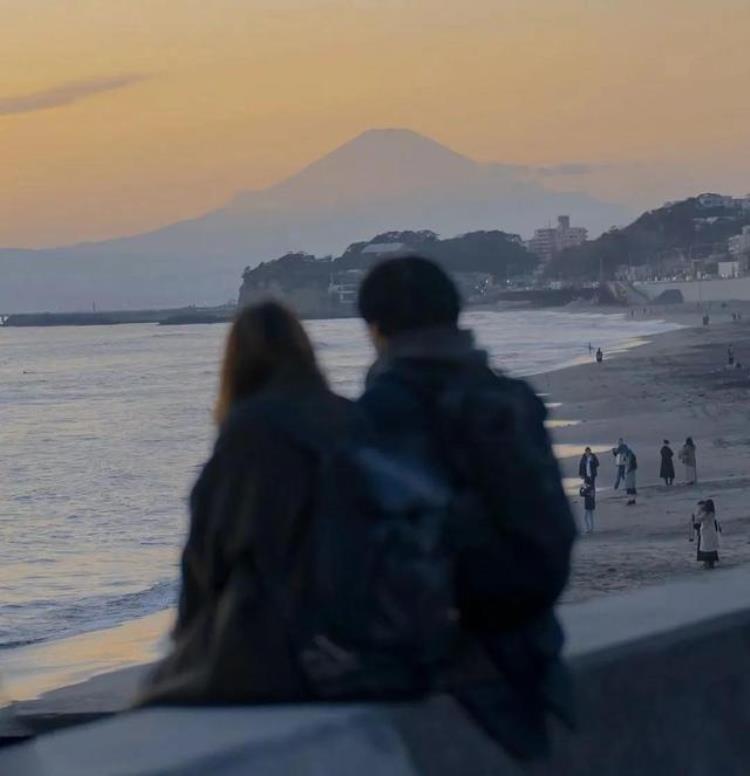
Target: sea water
[{"x": 104, "y": 429}]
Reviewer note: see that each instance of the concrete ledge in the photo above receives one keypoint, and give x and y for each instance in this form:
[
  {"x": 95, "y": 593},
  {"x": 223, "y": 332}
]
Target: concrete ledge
[{"x": 663, "y": 680}]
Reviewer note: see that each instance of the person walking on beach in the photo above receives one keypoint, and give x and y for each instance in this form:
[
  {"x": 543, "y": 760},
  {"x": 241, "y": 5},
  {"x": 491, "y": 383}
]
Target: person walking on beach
[
  {"x": 433, "y": 395},
  {"x": 706, "y": 527},
  {"x": 666, "y": 472},
  {"x": 621, "y": 459},
  {"x": 599, "y": 356},
  {"x": 588, "y": 493},
  {"x": 588, "y": 467},
  {"x": 689, "y": 461},
  {"x": 730, "y": 356},
  {"x": 630, "y": 478}
]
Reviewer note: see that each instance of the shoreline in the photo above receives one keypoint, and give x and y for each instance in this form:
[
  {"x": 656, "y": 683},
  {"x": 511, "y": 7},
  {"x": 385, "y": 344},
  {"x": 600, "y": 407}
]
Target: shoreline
[{"x": 590, "y": 404}]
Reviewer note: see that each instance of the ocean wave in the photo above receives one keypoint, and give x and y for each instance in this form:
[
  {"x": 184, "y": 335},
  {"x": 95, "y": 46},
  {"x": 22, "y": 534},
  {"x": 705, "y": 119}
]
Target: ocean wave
[{"x": 45, "y": 619}]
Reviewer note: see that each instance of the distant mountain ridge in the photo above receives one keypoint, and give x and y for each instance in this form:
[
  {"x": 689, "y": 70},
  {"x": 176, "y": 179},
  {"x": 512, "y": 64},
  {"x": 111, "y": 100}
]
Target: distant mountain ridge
[{"x": 382, "y": 180}]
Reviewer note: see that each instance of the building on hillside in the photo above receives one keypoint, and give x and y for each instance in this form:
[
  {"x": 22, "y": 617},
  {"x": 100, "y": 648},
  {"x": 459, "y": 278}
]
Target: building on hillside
[
  {"x": 739, "y": 245},
  {"x": 723, "y": 201},
  {"x": 715, "y": 200},
  {"x": 729, "y": 269},
  {"x": 344, "y": 287},
  {"x": 384, "y": 249},
  {"x": 549, "y": 241}
]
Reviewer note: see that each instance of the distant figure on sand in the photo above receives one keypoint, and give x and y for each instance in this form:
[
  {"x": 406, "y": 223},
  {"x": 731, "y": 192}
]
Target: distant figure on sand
[
  {"x": 706, "y": 527},
  {"x": 591, "y": 348},
  {"x": 688, "y": 459},
  {"x": 666, "y": 472},
  {"x": 588, "y": 467},
  {"x": 599, "y": 356},
  {"x": 588, "y": 493},
  {"x": 730, "y": 356},
  {"x": 630, "y": 477},
  {"x": 621, "y": 459}
]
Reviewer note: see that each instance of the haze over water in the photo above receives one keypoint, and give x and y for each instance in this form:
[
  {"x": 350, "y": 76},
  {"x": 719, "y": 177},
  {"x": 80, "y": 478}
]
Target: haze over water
[{"x": 104, "y": 430}]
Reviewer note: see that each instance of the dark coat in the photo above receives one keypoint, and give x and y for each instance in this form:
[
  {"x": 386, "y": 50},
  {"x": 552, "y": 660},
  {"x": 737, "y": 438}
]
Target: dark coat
[
  {"x": 666, "y": 472},
  {"x": 594, "y": 467},
  {"x": 249, "y": 514},
  {"x": 506, "y": 605},
  {"x": 588, "y": 492}
]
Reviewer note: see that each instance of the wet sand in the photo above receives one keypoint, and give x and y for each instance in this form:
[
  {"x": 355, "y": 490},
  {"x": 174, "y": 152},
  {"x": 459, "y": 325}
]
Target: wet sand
[{"x": 675, "y": 386}]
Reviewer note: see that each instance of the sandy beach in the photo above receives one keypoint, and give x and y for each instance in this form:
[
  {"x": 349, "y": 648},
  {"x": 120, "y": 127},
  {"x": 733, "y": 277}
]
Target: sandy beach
[{"x": 674, "y": 386}]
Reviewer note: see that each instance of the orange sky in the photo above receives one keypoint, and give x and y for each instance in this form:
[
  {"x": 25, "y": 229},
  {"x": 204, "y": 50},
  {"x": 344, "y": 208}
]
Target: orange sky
[{"x": 117, "y": 117}]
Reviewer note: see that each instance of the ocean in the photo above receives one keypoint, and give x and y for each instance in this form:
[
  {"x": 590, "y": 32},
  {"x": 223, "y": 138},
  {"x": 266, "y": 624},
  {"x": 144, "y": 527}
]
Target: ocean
[{"x": 104, "y": 429}]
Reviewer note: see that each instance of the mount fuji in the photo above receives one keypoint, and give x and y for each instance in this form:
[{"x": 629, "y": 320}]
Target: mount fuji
[{"x": 382, "y": 180}]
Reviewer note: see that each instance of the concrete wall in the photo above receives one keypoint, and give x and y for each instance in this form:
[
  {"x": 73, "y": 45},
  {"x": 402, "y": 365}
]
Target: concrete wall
[
  {"x": 663, "y": 679},
  {"x": 718, "y": 290}
]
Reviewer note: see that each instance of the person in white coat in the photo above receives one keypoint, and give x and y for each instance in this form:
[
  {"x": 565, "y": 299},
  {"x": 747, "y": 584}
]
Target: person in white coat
[{"x": 706, "y": 527}]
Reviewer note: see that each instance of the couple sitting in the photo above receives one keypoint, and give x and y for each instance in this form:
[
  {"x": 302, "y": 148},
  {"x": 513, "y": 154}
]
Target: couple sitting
[{"x": 412, "y": 542}]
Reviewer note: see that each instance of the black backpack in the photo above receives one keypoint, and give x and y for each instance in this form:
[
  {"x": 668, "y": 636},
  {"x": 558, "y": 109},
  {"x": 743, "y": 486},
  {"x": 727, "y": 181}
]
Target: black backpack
[
  {"x": 510, "y": 527},
  {"x": 380, "y": 617}
]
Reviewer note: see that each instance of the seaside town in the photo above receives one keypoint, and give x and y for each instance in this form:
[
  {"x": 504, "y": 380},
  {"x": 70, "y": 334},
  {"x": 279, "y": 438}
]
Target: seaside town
[{"x": 666, "y": 254}]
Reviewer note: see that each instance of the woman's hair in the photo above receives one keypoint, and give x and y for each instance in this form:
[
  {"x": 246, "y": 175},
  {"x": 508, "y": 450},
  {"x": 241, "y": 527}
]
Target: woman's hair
[
  {"x": 689, "y": 441},
  {"x": 708, "y": 506},
  {"x": 265, "y": 343}
]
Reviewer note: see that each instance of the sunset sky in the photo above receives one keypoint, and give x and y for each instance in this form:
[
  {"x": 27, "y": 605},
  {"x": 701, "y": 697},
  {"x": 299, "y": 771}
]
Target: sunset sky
[{"x": 120, "y": 116}]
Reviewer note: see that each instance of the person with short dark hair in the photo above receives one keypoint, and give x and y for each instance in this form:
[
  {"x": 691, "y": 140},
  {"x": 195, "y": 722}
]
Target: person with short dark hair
[
  {"x": 407, "y": 295},
  {"x": 433, "y": 396},
  {"x": 588, "y": 466}
]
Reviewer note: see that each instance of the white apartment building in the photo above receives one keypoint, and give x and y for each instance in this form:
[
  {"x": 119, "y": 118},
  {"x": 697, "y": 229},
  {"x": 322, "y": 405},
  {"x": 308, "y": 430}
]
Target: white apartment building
[
  {"x": 720, "y": 200},
  {"x": 549, "y": 241}
]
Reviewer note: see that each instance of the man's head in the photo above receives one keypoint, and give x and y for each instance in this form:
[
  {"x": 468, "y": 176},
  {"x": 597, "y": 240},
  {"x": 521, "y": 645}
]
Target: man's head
[
  {"x": 407, "y": 294},
  {"x": 587, "y": 451},
  {"x": 620, "y": 441}
]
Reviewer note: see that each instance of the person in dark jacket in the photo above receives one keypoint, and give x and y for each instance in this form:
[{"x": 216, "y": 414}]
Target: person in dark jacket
[
  {"x": 588, "y": 467},
  {"x": 588, "y": 494},
  {"x": 621, "y": 461},
  {"x": 249, "y": 513},
  {"x": 432, "y": 395},
  {"x": 666, "y": 472},
  {"x": 630, "y": 479}
]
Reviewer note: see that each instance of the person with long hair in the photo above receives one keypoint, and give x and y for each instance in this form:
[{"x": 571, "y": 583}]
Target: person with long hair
[
  {"x": 689, "y": 461},
  {"x": 248, "y": 543},
  {"x": 630, "y": 479},
  {"x": 707, "y": 528}
]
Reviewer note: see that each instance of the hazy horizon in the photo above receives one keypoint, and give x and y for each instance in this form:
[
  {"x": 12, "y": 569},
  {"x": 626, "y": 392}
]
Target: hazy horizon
[{"x": 117, "y": 119}]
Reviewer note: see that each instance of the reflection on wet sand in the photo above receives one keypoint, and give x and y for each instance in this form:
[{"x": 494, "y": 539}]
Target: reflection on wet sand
[{"x": 31, "y": 671}]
